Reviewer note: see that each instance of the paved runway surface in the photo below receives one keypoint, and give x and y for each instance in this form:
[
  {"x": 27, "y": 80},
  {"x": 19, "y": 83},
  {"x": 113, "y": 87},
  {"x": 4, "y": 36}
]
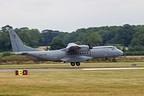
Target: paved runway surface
[{"x": 69, "y": 69}]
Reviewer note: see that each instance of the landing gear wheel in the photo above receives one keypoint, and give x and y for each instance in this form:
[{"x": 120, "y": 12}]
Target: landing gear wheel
[
  {"x": 113, "y": 60},
  {"x": 78, "y": 63},
  {"x": 72, "y": 63}
]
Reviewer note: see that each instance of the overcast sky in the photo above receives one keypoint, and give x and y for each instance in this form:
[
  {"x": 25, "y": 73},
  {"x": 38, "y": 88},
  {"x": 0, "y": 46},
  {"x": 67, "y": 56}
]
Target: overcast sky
[{"x": 69, "y": 15}]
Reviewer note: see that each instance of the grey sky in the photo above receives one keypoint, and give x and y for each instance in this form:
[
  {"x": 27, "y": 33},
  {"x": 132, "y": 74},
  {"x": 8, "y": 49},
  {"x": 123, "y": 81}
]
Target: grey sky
[{"x": 69, "y": 15}]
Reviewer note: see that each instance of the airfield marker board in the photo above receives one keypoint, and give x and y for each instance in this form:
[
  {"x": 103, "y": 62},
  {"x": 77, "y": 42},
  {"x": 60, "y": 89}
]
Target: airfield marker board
[{"x": 21, "y": 72}]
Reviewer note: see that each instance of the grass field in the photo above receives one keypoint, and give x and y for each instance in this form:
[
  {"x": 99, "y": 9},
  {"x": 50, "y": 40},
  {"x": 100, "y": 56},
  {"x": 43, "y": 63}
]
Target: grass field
[{"x": 74, "y": 83}]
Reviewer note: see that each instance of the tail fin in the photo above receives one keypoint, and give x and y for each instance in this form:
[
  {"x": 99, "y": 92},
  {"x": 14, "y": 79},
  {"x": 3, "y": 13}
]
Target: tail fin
[{"x": 17, "y": 44}]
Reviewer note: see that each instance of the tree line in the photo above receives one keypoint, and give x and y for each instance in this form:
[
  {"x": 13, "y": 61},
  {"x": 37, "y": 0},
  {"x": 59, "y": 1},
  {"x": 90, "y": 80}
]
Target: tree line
[{"x": 129, "y": 38}]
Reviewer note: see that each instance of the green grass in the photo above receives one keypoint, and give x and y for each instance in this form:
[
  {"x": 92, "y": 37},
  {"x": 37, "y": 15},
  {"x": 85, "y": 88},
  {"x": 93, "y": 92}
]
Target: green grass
[{"x": 74, "y": 83}]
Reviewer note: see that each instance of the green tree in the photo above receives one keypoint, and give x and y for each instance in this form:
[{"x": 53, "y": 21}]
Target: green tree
[
  {"x": 136, "y": 48},
  {"x": 138, "y": 39},
  {"x": 108, "y": 34},
  {"x": 4, "y": 28},
  {"x": 4, "y": 41},
  {"x": 30, "y": 37},
  {"x": 124, "y": 35},
  {"x": 48, "y": 36},
  {"x": 57, "y": 43},
  {"x": 35, "y": 37},
  {"x": 94, "y": 39}
]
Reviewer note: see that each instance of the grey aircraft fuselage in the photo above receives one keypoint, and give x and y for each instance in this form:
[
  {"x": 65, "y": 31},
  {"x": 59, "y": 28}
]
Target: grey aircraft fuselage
[
  {"x": 96, "y": 52},
  {"x": 73, "y": 53}
]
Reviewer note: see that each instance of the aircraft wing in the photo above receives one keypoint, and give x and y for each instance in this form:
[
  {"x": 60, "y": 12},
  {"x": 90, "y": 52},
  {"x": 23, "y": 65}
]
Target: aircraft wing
[{"x": 76, "y": 58}]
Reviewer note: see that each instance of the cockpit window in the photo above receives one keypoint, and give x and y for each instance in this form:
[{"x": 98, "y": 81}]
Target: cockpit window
[{"x": 113, "y": 48}]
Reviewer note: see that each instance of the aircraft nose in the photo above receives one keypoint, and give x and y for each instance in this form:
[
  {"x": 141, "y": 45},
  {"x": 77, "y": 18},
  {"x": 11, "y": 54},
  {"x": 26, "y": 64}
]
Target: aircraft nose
[{"x": 120, "y": 52}]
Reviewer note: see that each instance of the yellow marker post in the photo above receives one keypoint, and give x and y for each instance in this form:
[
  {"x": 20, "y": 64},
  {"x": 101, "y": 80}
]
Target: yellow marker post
[{"x": 20, "y": 72}]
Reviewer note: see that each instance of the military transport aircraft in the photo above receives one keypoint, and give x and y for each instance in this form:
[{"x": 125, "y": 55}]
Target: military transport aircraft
[{"x": 73, "y": 53}]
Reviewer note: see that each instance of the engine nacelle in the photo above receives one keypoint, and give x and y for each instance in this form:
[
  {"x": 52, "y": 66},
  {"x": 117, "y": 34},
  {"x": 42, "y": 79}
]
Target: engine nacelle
[
  {"x": 75, "y": 47},
  {"x": 83, "y": 48}
]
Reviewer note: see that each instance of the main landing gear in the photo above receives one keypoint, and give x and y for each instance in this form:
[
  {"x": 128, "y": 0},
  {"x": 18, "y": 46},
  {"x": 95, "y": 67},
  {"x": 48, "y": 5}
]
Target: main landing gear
[
  {"x": 75, "y": 63},
  {"x": 113, "y": 60}
]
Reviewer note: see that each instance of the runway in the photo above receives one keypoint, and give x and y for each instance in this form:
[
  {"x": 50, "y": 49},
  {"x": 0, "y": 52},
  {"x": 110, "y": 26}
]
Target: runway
[{"x": 71, "y": 69}]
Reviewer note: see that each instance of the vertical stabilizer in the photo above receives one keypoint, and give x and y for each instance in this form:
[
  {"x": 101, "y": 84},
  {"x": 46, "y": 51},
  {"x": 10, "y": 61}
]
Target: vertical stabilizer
[{"x": 17, "y": 44}]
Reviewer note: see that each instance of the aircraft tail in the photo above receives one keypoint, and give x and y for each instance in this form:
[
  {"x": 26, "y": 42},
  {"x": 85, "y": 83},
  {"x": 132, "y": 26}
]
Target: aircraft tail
[{"x": 17, "y": 44}]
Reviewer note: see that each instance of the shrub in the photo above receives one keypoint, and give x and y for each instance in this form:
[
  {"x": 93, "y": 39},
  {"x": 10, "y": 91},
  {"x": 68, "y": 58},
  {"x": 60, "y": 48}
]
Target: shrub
[{"x": 6, "y": 54}]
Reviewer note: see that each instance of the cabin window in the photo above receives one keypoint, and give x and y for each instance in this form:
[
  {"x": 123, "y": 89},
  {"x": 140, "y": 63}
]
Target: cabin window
[{"x": 78, "y": 53}]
